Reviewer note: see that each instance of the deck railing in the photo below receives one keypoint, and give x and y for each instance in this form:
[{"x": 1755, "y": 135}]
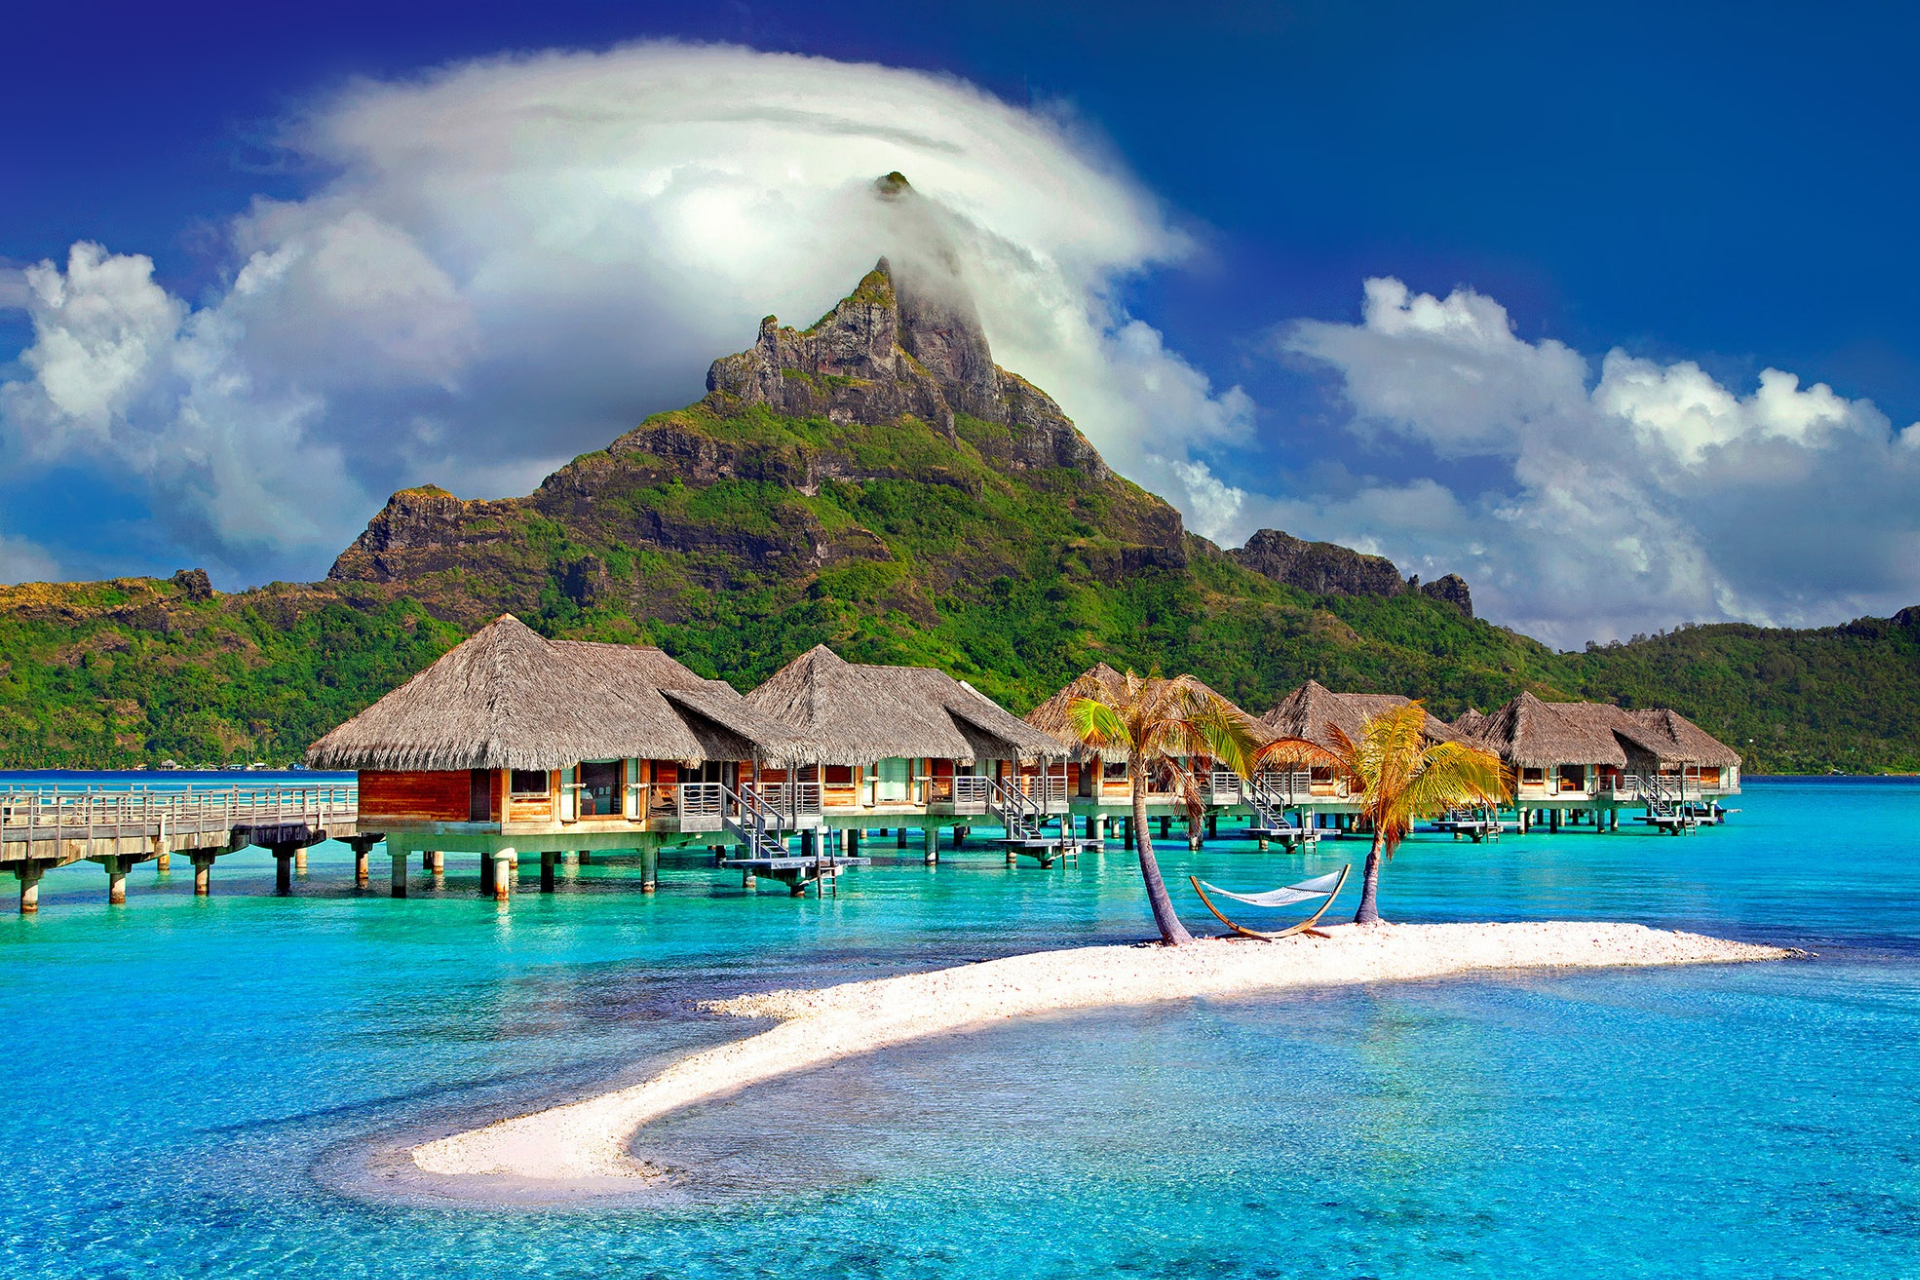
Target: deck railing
[
  {"x": 91, "y": 813},
  {"x": 1225, "y": 787},
  {"x": 971, "y": 789},
  {"x": 1045, "y": 789},
  {"x": 789, "y": 799},
  {"x": 698, "y": 800}
]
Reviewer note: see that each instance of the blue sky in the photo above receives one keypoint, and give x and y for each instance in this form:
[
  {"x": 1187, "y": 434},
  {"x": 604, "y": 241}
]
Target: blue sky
[{"x": 1603, "y": 222}]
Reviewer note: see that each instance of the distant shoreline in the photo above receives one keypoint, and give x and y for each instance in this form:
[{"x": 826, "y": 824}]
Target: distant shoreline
[{"x": 580, "y": 1149}]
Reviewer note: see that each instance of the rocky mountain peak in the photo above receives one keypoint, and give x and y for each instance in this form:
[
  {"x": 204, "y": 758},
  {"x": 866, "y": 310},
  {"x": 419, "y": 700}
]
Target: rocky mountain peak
[
  {"x": 907, "y": 342},
  {"x": 1329, "y": 569}
]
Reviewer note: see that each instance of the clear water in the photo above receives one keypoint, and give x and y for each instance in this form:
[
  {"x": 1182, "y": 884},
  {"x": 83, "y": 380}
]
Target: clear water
[{"x": 188, "y": 1079}]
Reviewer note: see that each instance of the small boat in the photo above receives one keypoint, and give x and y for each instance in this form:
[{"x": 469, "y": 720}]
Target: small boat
[{"x": 1327, "y": 886}]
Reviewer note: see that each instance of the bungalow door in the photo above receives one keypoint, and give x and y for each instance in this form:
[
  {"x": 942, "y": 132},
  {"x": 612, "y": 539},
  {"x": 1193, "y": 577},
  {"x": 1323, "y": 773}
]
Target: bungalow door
[
  {"x": 600, "y": 787},
  {"x": 479, "y": 795}
]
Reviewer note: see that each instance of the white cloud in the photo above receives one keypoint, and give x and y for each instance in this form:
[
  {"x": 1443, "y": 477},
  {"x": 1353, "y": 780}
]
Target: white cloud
[
  {"x": 101, "y": 327},
  {"x": 1212, "y": 506},
  {"x": 515, "y": 259},
  {"x": 126, "y": 378},
  {"x": 1655, "y": 495},
  {"x": 24, "y": 561}
]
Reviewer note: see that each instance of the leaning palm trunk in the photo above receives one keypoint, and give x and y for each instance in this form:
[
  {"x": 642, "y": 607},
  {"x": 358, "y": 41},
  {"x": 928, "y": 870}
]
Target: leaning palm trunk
[
  {"x": 1369, "y": 912},
  {"x": 1172, "y": 932},
  {"x": 1160, "y": 723}
]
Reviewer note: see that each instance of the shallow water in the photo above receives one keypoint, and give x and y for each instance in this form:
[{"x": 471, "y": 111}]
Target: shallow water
[{"x": 190, "y": 1076}]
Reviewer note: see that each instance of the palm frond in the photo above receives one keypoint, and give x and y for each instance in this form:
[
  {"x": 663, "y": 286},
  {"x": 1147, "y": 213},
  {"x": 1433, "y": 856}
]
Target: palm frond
[{"x": 1099, "y": 725}]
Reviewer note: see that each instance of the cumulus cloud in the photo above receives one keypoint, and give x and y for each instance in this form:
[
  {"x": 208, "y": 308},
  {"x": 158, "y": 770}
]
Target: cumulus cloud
[
  {"x": 125, "y": 376},
  {"x": 1647, "y": 496},
  {"x": 513, "y": 260}
]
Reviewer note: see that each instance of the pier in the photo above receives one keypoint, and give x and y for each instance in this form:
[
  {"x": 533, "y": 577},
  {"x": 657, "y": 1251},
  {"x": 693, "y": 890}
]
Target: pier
[{"x": 50, "y": 827}]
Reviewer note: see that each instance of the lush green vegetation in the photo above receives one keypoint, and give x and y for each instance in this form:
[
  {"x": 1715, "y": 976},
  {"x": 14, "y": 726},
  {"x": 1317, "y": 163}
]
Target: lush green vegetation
[
  {"x": 893, "y": 544},
  {"x": 216, "y": 682}
]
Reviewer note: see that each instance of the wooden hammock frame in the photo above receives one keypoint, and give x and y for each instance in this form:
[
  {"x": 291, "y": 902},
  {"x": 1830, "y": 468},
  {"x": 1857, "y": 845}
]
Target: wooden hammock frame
[{"x": 1305, "y": 926}]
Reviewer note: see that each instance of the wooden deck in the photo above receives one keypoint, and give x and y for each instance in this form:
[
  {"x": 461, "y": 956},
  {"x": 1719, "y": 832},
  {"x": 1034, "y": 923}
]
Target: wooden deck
[{"x": 57, "y": 826}]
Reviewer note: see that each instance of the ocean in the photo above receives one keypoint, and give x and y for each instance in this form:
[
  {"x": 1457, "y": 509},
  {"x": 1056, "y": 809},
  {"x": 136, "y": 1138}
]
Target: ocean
[{"x": 195, "y": 1085}]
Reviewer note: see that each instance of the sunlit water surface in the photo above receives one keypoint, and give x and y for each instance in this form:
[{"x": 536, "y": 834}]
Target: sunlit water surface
[{"x": 187, "y": 1079}]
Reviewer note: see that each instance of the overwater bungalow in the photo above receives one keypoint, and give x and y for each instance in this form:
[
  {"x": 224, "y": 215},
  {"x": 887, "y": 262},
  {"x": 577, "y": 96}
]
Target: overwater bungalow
[
  {"x": 900, "y": 748},
  {"x": 511, "y": 744},
  {"x": 1312, "y": 713},
  {"x": 1585, "y": 761}
]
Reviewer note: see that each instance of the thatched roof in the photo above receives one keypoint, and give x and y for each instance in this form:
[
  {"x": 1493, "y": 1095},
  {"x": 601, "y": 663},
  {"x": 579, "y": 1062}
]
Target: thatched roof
[
  {"x": 1681, "y": 740},
  {"x": 855, "y": 713},
  {"x": 1469, "y": 723},
  {"x": 505, "y": 698},
  {"x": 1102, "y": 682},
  {"x": 1313, "y": 711},
  {"x": 1529, "y": 733}
]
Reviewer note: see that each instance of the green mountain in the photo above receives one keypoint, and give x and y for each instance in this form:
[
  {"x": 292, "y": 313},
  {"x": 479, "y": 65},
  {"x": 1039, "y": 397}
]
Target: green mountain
[{"x": 877, "y": 483}]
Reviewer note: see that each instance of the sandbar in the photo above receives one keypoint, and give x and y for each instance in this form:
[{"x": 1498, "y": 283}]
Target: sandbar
[{"x": 588, "y": 1141}]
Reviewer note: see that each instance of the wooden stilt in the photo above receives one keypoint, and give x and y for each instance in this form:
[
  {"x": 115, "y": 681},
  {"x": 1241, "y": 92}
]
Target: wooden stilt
[
  {"x": 399, "y": 883},
  {"x": 504, "y": 871},
  {"x": 116, "y": 881},
  {"x": 650, "y": 869},
  {"x": 933, "y": 845},
  {"x": 488, "y": 875},
  {"x": 29, "y": 874},
  {"x": 547, "y": 860},
  {"x": 202, "y": 874},
  {"x": 283, "y": 870}
]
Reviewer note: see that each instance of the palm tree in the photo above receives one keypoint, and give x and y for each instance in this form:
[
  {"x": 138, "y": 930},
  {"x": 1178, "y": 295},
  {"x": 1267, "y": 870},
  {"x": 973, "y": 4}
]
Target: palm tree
[
  {"x": 1163, "y": 724},
  {"x": 1403, "y": 777}
]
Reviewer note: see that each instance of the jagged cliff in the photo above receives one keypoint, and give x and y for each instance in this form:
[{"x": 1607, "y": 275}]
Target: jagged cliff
[{"x": 1327, "y": 568}]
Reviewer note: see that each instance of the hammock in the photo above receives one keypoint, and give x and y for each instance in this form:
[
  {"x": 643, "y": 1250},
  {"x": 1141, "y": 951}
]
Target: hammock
[
  {"x": 1327, "y": 886},
  {"x": 1286, "y": 897}
]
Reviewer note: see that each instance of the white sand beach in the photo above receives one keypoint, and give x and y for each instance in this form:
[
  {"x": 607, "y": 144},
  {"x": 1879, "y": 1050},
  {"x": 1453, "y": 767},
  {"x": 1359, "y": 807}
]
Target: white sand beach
[{"x": 588, "y": 1141}]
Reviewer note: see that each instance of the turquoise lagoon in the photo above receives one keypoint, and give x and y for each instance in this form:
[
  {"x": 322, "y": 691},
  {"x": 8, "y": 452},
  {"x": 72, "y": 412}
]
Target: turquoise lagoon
[{"x": 197, "y": 1087}]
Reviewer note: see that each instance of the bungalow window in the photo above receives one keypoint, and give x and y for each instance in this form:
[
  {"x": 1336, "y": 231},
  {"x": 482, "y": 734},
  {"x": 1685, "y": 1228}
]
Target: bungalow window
[
  {"x": 529, "y": 783},
  {"x": 890, "y": 783},
  {"x": 600, "y": 788},
  {"x": 1533, "y": 777},
  {"x": 1116, "y": 770},
  {"x": 839, "y": 775}
]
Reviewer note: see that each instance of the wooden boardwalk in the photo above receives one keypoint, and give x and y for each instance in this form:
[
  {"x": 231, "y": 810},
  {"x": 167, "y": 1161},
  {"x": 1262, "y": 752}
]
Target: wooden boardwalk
[{"x": 51, "y": 827}]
